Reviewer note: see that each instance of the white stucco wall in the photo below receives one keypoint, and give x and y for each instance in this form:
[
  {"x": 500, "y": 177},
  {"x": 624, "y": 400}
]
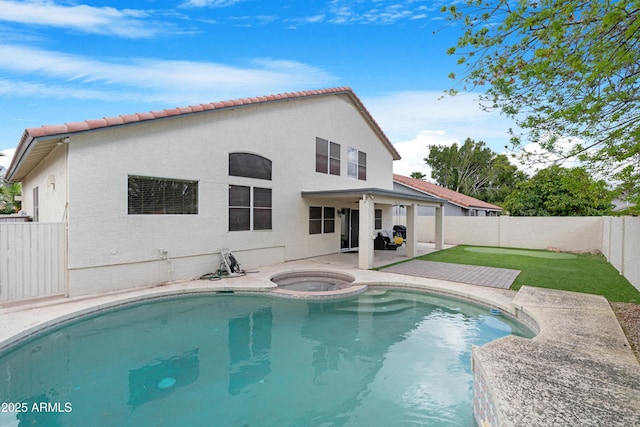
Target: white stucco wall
[
  {"x": 109, "y": 249},
  {"x": 564, "y": 233},
  {"x": 52, "y": 196},
  {"x": 621, "y": 246}
]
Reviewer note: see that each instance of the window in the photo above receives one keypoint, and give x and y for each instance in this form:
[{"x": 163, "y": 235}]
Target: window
[
  {"x": 378, "y": 219},
  {"x": 356, "y": 164},
  {"x": 249, "y": 165},
  {"x": 327, "y": 157},
  {"x": 315, "y": 220},
  {"x": 36, "y": 204},
  {"x": 322, "y": 220},
  {"x": 160, "y": 196},
  {"x": 249, "y": 208}
]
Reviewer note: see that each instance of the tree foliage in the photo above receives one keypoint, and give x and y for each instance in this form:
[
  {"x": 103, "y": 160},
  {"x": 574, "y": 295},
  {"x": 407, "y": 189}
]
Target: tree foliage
[
  {"x": 418, "y": 175},
  {"x": 473, "y": 169},
  {"x": 568, "y": 72},
  {"x": 559, "y": 191},
  {"x": 8, "y": 196}
]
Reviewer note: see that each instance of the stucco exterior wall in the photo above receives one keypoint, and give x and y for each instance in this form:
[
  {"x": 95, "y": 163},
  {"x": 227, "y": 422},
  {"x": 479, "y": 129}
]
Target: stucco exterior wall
[
  {"x": 563, "y": 233},
  {"x": 109, "y": 249},
  {"x": 52, "y": 195}
]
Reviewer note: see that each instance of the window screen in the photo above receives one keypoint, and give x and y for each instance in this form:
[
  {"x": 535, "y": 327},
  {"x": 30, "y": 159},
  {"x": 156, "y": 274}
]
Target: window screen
[
  {"x": 162, "y": 196},
  {"x": 329, "y": 220},
  {"x": 249, "y": 165},
  {"x": 239, "y": 208},
  {"x": 356, "y": 164},
  {"x": 261, "y": 208},
  {"x": 322, "y": 220},
  {"x": 315, "y": 220},
  {"x": 250, "y": 208},
  {"x": 327, "y": 157}
]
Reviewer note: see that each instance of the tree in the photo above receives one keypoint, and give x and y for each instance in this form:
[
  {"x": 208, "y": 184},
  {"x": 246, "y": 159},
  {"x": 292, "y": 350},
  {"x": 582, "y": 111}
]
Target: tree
[
  {"x": 567, "y": 71},
  {"x": 559, "y": 191},
  {"x": 8, "y": 196},
  {"x": 418, "y": 175},
  {"x": 473, "y": 169}
]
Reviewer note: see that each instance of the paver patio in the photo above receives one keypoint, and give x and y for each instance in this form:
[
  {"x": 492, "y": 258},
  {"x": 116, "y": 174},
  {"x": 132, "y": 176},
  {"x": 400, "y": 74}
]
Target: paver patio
[{"x": 474, "y": 275}]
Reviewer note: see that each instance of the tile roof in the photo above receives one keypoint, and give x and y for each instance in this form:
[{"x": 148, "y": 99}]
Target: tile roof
[
  {"x": 445, "y": 193},
  {"x": 50, "y": 131},
  {"x": 47, "y": 130}
]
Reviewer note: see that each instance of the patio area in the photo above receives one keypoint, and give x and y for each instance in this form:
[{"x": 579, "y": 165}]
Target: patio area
[{"x": 380, "y": 257}]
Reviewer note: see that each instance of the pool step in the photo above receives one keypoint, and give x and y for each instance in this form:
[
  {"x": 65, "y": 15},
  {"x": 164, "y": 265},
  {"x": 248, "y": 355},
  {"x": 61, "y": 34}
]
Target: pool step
[{"x": 377, "y": 303}]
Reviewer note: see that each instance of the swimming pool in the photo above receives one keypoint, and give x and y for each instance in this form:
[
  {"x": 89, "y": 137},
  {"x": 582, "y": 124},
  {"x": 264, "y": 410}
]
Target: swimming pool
[{"x": 386, "y": 357}]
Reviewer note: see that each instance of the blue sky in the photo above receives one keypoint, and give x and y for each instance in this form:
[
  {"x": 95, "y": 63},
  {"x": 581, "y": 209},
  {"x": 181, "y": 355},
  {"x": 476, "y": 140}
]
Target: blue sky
[{"x": 66, "y": 61}]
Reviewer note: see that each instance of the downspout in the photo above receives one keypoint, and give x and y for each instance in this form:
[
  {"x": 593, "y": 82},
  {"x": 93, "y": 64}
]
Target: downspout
[{"x": 65, "y": 220}]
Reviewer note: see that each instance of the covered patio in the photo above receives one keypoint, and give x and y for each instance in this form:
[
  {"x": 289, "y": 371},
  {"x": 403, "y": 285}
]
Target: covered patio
[
  {"x": 367, "y": 199},
  {"x": 380, "y": 259}
]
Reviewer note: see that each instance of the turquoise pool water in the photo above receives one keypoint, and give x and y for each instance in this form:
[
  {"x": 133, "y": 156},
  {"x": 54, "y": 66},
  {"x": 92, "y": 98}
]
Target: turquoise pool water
[{"x": 385, "y": 358}]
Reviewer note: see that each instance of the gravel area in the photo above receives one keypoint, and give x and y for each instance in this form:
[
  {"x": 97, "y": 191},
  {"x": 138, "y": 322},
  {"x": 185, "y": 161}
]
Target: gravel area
[{"x": 629, "y": 317}]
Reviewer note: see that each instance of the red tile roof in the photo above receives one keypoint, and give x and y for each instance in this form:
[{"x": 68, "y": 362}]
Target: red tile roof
[
  {"x": 47, "y": 130},
  {"x": 445, "y": 193},
  {"x": 31, "y": 134}
]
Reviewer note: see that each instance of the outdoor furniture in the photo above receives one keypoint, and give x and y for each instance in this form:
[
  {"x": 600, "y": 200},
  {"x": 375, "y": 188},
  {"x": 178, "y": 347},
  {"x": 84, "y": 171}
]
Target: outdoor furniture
[{"x": 384, "y": 241}]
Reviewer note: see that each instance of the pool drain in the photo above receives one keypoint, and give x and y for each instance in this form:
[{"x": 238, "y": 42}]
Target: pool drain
[{"x": 166, "y": 383}]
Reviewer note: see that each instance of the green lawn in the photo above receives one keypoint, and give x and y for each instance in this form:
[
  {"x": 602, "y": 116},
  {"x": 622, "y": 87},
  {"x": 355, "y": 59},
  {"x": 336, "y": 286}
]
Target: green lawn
[{"x": 590, "y": 274}]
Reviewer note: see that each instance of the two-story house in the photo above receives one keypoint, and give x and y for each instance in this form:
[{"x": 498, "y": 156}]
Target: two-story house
[{"x": 151, "y": 197}]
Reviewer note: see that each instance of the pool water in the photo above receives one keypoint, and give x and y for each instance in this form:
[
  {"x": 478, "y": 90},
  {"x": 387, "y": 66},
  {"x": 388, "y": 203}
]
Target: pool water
[{"x": 383, "y": 358}]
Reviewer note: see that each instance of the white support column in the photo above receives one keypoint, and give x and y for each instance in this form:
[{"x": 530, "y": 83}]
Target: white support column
[
  {"x": 412, "y": 231},
  {"x": 440, "y": 227},
  {"x": 366, "y": 233}
]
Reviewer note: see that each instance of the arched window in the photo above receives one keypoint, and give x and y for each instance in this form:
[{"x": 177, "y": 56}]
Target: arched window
[{"x": 249, "y": 165}]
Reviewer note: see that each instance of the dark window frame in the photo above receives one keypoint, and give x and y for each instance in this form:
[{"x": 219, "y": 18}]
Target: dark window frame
[
  {"x": 356, "y": 164},
  {"x": 249, "y": 165},
  {"x": 327, "y": 157},
  {"x": 377, "y": 219},
  {"x": 252, "y": 213},
  {"x": 149, "y": 195},
  {"x": 322, "y": 220}
]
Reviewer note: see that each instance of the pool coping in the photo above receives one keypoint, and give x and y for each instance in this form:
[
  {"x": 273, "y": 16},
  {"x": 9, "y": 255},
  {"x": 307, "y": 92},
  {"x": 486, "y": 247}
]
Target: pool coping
[{"x": 578, "y": 370}]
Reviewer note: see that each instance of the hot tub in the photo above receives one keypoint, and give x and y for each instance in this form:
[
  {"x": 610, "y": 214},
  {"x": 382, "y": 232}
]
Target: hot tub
[{"x": 316, "y": 283}]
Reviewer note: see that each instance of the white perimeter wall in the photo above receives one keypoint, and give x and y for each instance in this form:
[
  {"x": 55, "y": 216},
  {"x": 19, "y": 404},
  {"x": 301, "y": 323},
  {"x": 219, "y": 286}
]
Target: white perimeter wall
[
  {"x": 618, "y": 238},
  {"x": 621, "y": 246}
]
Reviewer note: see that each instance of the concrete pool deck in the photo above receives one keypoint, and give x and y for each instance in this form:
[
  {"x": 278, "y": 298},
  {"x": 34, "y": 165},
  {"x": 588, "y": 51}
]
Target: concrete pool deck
[{"x": 578, "y": 370}]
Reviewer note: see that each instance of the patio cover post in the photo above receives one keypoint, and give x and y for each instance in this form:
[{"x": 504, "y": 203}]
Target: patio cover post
[
  {"x": 412, "y": 231},
  {"x": 366, "y": 232},
  {"x": 440, "y": 227}
]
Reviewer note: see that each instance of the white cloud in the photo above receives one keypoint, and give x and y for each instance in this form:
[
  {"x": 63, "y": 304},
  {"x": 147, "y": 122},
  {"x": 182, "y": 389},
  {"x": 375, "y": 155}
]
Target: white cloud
[
  {"x": 541, "y": 158},
  {"x": 414, "y": 151},
  {"x": 128, "y": 23},
  {"x": 6, "y": 157},
  {"x": 211, "y": 3},
  {"x": 418, "y": 119},
  {"x": 155, "y": 80},
  {"x": 385, "y": 12}
]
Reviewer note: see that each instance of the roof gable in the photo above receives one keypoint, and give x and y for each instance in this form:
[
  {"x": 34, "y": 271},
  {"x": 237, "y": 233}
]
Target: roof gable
[
  {"x": 445, "y": 193},
  {"x": 28, "y": 156}
]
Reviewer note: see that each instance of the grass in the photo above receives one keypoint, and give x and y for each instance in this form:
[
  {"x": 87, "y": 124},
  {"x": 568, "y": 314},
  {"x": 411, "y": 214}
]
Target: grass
[{"x": 590, "y": 274}]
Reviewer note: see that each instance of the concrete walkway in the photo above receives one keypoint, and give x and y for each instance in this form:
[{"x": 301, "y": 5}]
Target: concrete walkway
[{"x": 481, "y": 276}]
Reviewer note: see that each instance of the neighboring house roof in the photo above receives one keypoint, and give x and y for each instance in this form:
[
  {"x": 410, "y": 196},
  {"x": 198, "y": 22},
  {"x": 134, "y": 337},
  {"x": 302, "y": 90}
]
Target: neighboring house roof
[
  {"x": 438, "y": 191},
  {"x": 37, "y": 143}
]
